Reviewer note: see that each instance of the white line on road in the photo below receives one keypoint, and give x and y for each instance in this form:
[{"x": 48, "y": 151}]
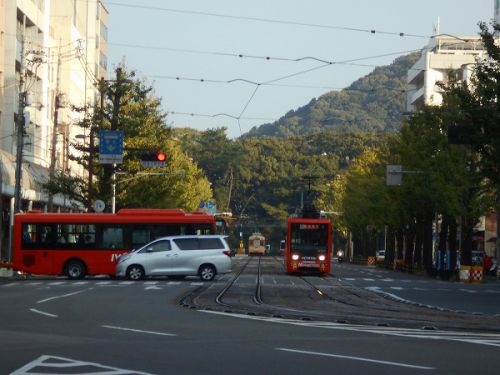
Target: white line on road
[
  {"x": 44, "y": 313},
  {"x": 469, "y": 337},
  {"x": 63, "y": 296},
  {"x": 399, "y": 364},
  {"x": 139, "y": 331}
]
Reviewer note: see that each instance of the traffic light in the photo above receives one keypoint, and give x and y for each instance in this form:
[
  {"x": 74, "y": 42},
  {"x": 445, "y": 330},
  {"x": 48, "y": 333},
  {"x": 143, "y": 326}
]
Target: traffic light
[{"x": 153, "y": 159}]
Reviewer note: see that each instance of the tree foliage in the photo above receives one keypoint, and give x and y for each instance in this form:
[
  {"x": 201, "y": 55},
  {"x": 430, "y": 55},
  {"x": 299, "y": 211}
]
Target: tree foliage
[{"x": 373, "y": 103}]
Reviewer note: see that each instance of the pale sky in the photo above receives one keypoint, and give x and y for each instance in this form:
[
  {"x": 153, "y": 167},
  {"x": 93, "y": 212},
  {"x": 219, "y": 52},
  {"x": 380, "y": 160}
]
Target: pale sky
[{"x": 200, "y": 40}]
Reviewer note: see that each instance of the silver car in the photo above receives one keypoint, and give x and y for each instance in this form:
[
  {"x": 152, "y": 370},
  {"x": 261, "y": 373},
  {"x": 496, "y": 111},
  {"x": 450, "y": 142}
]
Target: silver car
[{"x": 177, "y": 256}]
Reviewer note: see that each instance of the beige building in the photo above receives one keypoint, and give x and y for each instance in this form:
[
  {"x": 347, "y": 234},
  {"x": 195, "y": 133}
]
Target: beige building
[
  {"x": 60, "y": 49},
  {"x": 442, "y": 55}
]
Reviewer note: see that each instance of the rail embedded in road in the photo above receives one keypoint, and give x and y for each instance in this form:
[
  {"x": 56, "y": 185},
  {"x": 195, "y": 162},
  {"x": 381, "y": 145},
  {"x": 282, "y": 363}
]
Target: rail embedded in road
[{"x": 260, "y": 286}]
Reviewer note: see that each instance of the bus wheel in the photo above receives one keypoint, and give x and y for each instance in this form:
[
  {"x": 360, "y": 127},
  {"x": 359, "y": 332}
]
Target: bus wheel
[
  {"x": 207, "y": 272},
  {"x": 75, "y": 269},
  {"x": 135, "y": 272}
]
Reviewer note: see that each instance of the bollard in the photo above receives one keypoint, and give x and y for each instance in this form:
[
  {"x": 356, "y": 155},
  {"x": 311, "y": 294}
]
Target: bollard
[
  {"x": 476, "y": 274},
  {"x": 371, "y": 261},
  {"x": 465, "y": 274}
]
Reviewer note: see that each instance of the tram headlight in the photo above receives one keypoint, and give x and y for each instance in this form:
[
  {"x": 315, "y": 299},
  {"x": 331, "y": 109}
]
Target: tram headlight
[
  {"x": 321, "y": 258},
  {"x": 295, "y": 256}
]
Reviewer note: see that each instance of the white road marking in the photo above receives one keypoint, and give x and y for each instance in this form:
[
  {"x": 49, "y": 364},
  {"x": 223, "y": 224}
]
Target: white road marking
[
  {"x": 44, "y": 313},
  {"x": 81, "y": 283},
  {"x": 197, "y": 283},
  {"x": 174, "y": 283},
  {"x": 52, "y": 365},
  {"x": 396, "y": 288},
  {"x": 368, "y": 279},
  {"x": 490, "y": 339},
  {"x": 63, "y": 296},
  {"x": 57, "y": 283},
  {"x": 139, "y": 331},
  {"x": 8, "y": 285},
  {"x": 127, "y": 282},
  {"x": 152, "y": 287},
  {"x": 103, "y": 283},
  {"x": 468, "y": 291},
  {"x": 151, "y": 283},
  {"x": 399, "y": 364}
]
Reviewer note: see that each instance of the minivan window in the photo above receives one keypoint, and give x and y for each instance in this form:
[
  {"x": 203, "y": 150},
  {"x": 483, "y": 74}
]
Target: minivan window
[
  {"x": 157, "y": 246},
  {"x": 187, "y": 243},
  {"x": 210, "y": 243},
  {"x": 199, "y": 243}
]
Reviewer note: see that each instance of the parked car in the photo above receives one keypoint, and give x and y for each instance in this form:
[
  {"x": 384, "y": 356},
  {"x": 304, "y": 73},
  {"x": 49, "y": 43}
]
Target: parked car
[
  {"x": 177, "y": 256},
  {"x": 380, "y": 255}
]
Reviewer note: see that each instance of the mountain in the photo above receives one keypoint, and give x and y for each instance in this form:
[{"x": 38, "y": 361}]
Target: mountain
[{"x": 373, "y": 103}]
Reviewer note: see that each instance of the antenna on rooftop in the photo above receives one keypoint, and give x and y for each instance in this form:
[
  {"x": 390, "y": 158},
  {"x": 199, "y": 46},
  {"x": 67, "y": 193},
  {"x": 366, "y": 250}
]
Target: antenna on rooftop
[{"x": 437, "y": 26}]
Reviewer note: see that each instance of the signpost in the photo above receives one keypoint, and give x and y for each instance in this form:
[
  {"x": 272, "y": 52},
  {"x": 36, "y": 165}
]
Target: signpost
[{"x": 110, "y": 147}]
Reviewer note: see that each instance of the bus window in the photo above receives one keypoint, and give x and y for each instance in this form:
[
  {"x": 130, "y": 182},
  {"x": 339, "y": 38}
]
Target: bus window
[
  {"x": 112, "y": 237},
  {"x": 140, "y": 236},
  {"x": 29, "y": 236},
  {"x": 47, "y": 235}
]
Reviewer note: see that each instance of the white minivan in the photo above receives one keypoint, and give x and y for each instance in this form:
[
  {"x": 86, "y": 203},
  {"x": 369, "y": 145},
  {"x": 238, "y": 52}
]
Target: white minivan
[{"x": 178, "y": 256}]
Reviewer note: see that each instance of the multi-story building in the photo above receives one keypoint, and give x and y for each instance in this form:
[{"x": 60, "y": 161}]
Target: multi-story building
[
  {"x": 443, "y": 54},
  {"x": 54, "y": 51}
]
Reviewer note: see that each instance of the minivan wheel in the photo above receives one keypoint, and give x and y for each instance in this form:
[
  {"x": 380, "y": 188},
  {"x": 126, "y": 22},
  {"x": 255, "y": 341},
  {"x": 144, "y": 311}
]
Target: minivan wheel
[
  {"x": 207, "y": 272},
  {"x": 75, "y": 269},
  {"x": 135, "y": 272}
]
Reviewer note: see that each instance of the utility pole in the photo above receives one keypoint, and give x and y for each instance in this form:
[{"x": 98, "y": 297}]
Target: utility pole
[
  {"x": 57, "y": 104},
  {"x": 20, "y": 128}
]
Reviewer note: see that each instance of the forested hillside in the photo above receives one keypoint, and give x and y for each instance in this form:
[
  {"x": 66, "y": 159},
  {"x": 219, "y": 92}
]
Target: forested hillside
[{"x": 373, "y": 103}]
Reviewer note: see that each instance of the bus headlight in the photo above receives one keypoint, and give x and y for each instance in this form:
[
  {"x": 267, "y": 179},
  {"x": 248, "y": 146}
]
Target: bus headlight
[
  {"x": 295, "y": 257},
  {"x": 321, "y": 258}
]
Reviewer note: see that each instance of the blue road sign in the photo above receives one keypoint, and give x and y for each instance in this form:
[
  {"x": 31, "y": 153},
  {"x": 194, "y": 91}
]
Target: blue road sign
[{"x": 110, "y": 147}]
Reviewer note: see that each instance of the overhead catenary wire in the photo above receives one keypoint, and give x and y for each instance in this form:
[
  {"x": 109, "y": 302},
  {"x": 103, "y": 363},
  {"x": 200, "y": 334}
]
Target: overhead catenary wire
[{"x": 268, "y": 20}]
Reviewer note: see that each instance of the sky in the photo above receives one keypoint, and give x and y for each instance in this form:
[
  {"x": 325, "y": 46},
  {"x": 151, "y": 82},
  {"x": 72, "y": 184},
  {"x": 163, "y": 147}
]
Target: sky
[{"x": 190, "y": 50}]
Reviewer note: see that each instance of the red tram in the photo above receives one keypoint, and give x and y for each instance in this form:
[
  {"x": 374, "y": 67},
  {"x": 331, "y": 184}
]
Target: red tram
[{"x": 308, "y": 245}]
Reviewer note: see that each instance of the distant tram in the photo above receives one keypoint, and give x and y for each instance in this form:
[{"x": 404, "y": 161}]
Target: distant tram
[
  {"x": 308, "y": 245},
  {"x": 256, "y": 244}
]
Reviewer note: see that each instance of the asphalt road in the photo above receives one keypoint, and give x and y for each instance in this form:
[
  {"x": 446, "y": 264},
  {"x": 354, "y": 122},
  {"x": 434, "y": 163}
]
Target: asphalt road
[
  {"x": 56, "y": 326},
  {"x": 481, "y": 298}
]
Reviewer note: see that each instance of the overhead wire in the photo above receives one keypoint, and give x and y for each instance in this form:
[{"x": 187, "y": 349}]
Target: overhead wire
[{"x": 266, "y": 20}]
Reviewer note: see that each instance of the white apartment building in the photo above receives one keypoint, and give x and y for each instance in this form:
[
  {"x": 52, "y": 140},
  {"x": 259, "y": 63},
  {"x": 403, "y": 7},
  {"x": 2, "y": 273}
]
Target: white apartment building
[
  {"x": 442, "y": 55},
  {"x": 445, "y": 54},
  {"x": 60, "y": 47}
]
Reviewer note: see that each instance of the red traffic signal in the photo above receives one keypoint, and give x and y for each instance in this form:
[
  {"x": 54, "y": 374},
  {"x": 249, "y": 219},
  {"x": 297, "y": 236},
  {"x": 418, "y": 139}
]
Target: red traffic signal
[
  {"x": 153, "y": 159},
  {"x": 161, "y": 156}
]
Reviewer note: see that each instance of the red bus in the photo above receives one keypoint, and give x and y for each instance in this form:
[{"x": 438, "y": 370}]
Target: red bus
[
  {"x": 79, "y": 244},
  {"x": 308, "y": 245}
]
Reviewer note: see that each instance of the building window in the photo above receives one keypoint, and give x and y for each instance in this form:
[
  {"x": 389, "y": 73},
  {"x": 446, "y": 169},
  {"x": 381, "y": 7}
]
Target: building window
[
  {"x": 104, "y": 31},
  {"x": 103, "y": 61}
]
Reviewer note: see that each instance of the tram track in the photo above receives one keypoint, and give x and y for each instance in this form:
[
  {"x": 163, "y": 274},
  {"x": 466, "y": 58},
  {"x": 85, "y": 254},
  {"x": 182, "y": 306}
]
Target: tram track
[{"x": 324, "y": 298}]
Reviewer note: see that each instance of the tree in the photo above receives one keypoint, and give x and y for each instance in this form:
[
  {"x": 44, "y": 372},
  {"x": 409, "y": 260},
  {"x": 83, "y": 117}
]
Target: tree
[{"x": 128, "y": 104}]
